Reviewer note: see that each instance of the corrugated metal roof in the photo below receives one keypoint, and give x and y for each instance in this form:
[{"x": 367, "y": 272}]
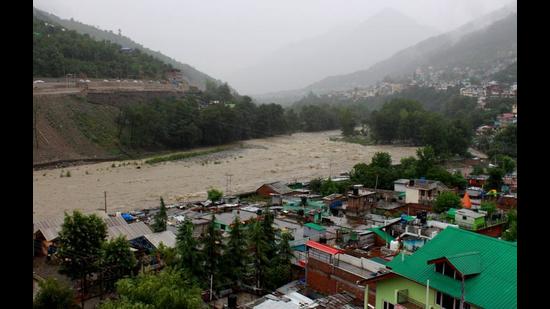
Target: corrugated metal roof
[
  {"x": 466, "y": 263},
  {"x": 168, "y": 238},
  {"x": 130, "y": 231},
  {"x": 316, "y": 227},
  {"x": 324, "y": 248},
  {"x": 385, "y": 236},
  {"x": 50, "y": 227},
  {"x": 114, "y": 221},
  {"x": 494, "y": 287},
  {"x": 280, "y": 187}
]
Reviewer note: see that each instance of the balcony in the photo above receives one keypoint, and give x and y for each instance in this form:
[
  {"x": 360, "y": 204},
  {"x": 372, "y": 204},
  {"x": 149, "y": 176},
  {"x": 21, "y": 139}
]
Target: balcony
[{"x": 405, "y": 301}]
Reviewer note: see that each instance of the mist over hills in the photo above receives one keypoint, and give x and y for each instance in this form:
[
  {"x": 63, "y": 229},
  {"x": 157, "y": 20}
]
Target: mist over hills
[
  {"x": 336, "y": 52},
  {"x": 480, "y": 43}
]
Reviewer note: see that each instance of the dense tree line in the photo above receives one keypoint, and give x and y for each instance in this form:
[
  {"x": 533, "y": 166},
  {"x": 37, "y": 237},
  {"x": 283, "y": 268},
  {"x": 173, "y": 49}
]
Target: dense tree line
[
  {"x": 381, "y": 173},
  {"x": 218, "y": 116},
  {"x": 58, "y": 51},
  {"x": 407, "y": 121}
]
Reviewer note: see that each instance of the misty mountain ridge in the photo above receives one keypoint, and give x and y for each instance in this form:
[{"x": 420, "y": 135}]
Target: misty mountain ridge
[
  {"x": 336, "y": 52},
  {"x": 193, "y": 76},
  {"x": 482, "y": 42}
]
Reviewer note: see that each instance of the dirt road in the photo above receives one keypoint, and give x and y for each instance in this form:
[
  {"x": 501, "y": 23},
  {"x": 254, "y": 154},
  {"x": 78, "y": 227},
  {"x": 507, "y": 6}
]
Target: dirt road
[{"x": 300, "y": 157}]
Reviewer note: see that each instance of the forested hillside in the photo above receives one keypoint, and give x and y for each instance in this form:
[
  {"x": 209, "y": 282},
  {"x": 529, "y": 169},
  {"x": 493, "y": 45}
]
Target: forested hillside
[
  {"x": 58, "y": 51},
  {"x": 194, "y": 76}
]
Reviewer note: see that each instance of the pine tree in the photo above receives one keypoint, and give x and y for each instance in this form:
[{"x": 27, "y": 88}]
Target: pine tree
[
  {"x": 269, "y": 233},
  {"x": 187, "y": 249},
  {"x": 236, "y": 256},
  {"x": 161, "y": 217},
  {"x": 258, "y": 248},
  {"x": 212, "y": 248}
]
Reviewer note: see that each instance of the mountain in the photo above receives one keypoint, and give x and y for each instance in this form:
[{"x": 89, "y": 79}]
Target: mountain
[
  {"x": 336, "y": 52},
  {"x": 479, "y": 44},
  {"x": 194, "y": 76}
]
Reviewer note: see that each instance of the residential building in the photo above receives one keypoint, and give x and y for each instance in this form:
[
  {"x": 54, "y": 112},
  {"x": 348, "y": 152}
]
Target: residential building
[
  {"x": 314, "y": 231},
  {"x": 469, "y": 219},
  {"x": 400, "y": 185},
  {"x": 359, "y": 201},
  {"x": 330, "y": 271},
  {"x": 277, "y": 187},
  {"x": 456, "y": 264},
  {"x": 420, "y": 191}
]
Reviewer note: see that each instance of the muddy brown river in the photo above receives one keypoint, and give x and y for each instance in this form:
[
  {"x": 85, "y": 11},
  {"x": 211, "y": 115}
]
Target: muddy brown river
[{"x": 299, "y": 157}]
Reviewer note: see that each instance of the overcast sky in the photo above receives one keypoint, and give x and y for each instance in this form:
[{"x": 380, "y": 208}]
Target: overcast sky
[{"x": 221, "y": 36}]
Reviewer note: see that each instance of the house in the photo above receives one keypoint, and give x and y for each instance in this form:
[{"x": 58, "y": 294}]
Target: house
[
  {"x": 334, "y": 201},
  {"x": 277, "y": 187},
  {"x": 453, "y": 265},
  {"x": 314, "y": 231},
  {"x": 330, "y": 271},
  {"x": 46, "y": 231},
  {"x": 420, "y": 191},
  {"x": 225, "y": 220},
  {"x": 359, "y": 201},
  {"x": 400, "y": 185},
  {"x": 469, "y": 219},
  {"x": 477, "y": 180}
]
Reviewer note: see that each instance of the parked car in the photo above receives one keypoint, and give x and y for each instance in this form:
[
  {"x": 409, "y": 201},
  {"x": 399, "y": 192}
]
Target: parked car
[{"x": 38, "y": 81}]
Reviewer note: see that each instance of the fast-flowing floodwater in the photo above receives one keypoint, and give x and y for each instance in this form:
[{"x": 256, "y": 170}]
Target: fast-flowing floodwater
[{"x": 299, "y": 157}]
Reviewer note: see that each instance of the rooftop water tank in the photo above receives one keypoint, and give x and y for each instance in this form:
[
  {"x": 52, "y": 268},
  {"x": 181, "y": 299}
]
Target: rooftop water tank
[{"x": 394, "y": 245}]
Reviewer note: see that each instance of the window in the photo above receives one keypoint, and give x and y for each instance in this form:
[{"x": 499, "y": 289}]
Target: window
[
  {"x": 464, "y": 218},
  {"x": 439, "y": 268},
  {"x": 448, "y": 302},
  {"x": 388, "y": 305}
]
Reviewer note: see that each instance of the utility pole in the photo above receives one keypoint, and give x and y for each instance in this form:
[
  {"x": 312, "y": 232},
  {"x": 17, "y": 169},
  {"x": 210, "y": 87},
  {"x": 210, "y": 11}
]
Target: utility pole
[
  {"x": 376, "y": 184},
  {"x": 105, "y": 195},
  {"x": 228, "y": 183}
]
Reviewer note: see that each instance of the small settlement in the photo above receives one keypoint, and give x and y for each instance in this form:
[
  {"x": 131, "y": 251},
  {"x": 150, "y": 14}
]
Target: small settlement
[{"x": 364, "y": 248}]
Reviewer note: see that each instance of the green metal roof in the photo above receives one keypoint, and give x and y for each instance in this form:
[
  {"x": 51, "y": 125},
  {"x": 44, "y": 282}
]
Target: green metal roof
[
  {"x": 385, "y": 236},
  {"x": 495, "y": 286},
  {"x": 316, "y": 227},
  {"x": 466, "y": 263},
  {"x": 451, "y": 212}
]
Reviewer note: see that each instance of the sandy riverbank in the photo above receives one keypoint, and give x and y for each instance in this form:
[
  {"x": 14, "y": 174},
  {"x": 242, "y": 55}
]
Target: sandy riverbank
[{"x": 301, "y": 157}]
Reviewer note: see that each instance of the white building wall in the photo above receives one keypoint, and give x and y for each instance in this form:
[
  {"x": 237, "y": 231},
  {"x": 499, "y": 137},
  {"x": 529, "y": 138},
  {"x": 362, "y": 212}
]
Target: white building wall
[{"x": 411, "y": 195}]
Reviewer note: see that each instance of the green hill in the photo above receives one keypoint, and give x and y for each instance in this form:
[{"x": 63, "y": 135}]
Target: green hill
[
  {"x": 58, "y": 51},
  {"x": 193, "y": 76}
]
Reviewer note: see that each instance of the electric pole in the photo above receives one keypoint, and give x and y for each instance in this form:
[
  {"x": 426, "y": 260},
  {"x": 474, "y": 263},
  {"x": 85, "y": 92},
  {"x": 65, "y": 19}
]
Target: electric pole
[{"x": 228, "y": 183}]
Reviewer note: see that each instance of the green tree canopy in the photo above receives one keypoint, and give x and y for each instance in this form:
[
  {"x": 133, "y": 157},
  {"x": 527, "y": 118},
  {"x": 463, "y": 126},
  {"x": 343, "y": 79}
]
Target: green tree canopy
[
  {"x": 54, "y": 295},
  {"x": 117, "y": 260},
  {"x": 80, "y": 243},
  {"x": 446, "y": 200},
  {"x": 168, "y": 289},
  {"x": 214, "y": 195}
]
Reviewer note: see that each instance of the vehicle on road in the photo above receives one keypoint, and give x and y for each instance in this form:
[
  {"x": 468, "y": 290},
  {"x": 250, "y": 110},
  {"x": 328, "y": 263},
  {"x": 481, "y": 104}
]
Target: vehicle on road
[{"x": 38, "y": 81}]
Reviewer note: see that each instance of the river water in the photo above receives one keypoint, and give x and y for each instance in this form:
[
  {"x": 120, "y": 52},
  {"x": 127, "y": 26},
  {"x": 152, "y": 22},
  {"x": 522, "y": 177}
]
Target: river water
[{"x": 299, "y": 157}]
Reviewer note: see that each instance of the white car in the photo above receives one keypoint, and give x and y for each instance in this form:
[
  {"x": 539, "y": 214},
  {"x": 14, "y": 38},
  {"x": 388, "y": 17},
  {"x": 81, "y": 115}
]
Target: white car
[
  {"x": 88, "y": 81},
  {"x": 105, "y": 81},
  {"x": 135, "y": 81},
  {"x": 38, "y": 81},
  {"x": 118, "y": 80}
]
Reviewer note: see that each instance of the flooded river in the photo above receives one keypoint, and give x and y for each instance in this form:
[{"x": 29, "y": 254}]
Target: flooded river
[{"x": 298, "y": 157}]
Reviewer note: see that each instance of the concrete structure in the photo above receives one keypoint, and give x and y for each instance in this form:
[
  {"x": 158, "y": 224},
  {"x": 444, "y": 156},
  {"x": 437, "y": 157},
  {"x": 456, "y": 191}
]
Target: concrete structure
[
  {"x": 421, "y": 191},
  {"x": 469, "y": 219}
]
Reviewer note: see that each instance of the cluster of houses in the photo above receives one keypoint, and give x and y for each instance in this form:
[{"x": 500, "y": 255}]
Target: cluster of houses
[
  {"x": 489, "y": 90},
  {"x": 364, "y": 248},
  {"x": 380, "y": 89}
]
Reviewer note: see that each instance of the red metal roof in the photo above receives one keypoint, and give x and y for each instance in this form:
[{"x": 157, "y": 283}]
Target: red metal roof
[{"x": 324, "y": 248}]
